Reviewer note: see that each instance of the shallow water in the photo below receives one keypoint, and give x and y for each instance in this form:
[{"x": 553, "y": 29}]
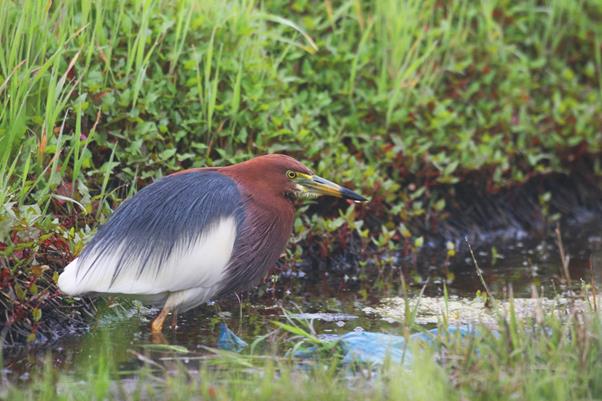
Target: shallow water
[{"x": 328, "y": 305}]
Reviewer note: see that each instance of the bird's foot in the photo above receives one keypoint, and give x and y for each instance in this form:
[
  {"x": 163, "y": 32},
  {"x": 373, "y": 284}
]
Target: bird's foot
[{"x": 158, "y": 338}]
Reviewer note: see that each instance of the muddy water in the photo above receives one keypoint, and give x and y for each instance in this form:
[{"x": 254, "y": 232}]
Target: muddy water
[
  {"x": 524, "y": 263},
  {"x": 333, "y": 305}
]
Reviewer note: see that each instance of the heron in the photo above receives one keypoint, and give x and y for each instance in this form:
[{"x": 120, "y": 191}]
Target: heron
[{"x": 197, "y": 234}]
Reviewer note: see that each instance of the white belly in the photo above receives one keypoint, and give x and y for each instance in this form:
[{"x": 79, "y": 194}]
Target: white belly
[{"x": 193, "y": 271}]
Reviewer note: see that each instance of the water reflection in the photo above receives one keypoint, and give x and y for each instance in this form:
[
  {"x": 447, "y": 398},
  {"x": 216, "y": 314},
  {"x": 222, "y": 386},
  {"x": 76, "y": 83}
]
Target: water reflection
[{"x": 337, "y": 305}]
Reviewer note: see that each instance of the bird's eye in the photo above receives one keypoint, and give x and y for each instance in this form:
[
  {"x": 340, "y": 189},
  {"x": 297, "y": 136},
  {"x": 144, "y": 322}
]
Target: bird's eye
[{"x": 291, "y": 174}]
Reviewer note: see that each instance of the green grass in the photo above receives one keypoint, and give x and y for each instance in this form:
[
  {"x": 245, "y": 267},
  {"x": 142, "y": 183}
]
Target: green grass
[
  {"x": 557, "y": 358},
  {"x": 98, "y": 98},
  {"x": 511, "y": 86}
]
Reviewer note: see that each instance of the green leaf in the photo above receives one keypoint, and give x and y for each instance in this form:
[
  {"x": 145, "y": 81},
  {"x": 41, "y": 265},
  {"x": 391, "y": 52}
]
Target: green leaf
[
  {"x": 167, "y": 154},
  {"x": 419, "y": 242},
  {"x": 36, "y": 314},
  {"x": 166, "y": 348}
]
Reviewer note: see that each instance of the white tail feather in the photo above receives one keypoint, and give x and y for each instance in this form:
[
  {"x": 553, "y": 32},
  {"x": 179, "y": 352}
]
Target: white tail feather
[
  {"x": 68, "y": 282},
  {"x": 201, "y": 265}
]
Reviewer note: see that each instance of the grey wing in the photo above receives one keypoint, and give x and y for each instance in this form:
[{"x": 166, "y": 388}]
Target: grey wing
[{"x": 175, "y": 234}]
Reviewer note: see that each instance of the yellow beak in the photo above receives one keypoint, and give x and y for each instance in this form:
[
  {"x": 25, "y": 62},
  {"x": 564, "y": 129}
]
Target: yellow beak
[{"x": 320, "y": 186}]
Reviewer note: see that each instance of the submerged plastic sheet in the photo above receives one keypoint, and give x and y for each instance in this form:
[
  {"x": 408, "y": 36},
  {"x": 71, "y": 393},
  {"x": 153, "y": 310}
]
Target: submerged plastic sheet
[
  {"x": 375, "y": 348},
  {"x": 227, "y": 340},
  {"x": 359, "y": 346}
]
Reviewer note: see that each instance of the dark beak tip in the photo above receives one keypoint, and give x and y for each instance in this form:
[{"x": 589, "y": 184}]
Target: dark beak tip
[{"x": 349, "y": 194}]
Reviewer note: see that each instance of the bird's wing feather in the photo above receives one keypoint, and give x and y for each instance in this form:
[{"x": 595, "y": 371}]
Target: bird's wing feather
[{"x": 175, "y": 234}]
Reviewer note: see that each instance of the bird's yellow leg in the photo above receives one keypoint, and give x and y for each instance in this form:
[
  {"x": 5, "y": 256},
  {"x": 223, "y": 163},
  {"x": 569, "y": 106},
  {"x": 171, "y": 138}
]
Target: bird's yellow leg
[
  {"x": 157, "y": 324},
  {"x": 158, "y": 338}
]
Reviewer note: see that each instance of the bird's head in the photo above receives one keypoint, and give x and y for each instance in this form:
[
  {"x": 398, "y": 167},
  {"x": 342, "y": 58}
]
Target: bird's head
[{"x": 281, "y": 175}]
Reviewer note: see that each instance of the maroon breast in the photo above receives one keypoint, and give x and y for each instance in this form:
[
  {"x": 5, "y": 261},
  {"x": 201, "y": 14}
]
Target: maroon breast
[{"x": 265, "y": 230}]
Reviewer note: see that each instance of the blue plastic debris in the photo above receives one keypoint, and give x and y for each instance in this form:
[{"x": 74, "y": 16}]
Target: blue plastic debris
[
  {"x": 227, "y": 340},
  {"x": 360, "y": 346},
  {"x": 372, "y": 347},
  {"x": 375, "y": 348}
]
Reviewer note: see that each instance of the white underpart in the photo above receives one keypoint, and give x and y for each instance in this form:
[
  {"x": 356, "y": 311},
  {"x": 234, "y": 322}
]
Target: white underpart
[{"x": 190, "y": 276}]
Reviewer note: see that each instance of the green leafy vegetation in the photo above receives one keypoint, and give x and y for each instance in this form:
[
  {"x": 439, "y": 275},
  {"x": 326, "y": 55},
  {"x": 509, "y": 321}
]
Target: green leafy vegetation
[{"x": 398, "y": 99}]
